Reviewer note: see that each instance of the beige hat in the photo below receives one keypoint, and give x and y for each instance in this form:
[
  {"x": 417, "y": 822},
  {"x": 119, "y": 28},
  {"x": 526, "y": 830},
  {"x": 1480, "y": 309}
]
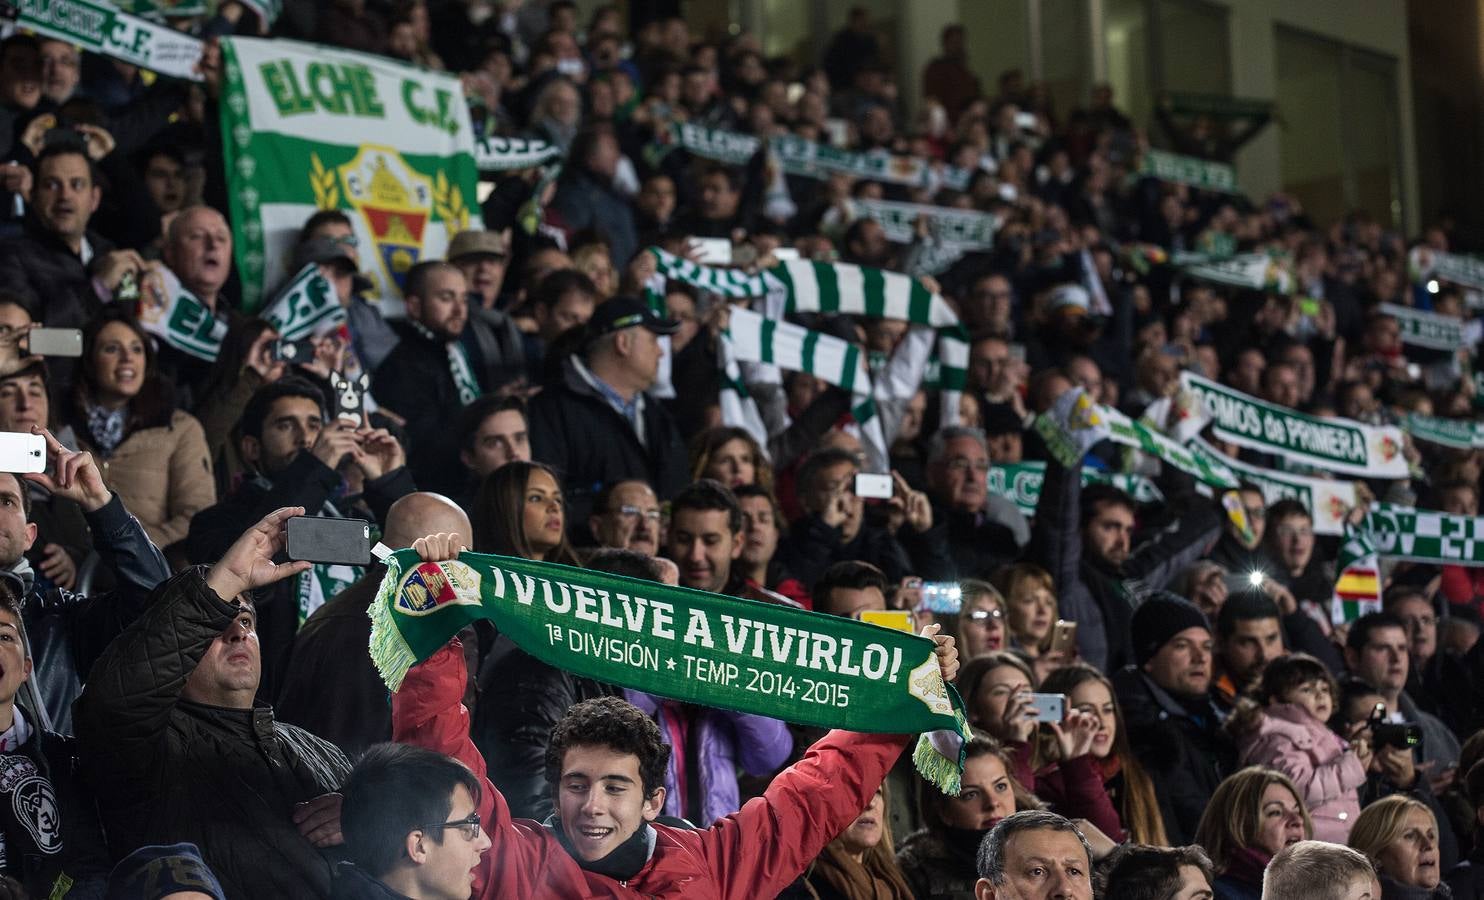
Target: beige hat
[{"x": 472, "y": 243}]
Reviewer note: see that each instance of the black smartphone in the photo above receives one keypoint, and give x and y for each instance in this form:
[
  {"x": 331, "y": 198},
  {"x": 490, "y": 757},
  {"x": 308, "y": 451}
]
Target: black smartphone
[
  {"x": 300, "y": 351},
  {"x": 319, "y": 539}
]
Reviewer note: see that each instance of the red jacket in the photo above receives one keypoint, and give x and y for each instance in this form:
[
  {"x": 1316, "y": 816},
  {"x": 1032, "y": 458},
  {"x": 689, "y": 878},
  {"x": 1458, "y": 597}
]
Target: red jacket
[{"x": 755, "y": 852}]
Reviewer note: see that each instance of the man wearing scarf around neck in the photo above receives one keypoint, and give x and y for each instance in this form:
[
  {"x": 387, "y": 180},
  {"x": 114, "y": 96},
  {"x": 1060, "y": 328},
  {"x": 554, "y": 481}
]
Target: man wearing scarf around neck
[{"x": 605, "y": 766}]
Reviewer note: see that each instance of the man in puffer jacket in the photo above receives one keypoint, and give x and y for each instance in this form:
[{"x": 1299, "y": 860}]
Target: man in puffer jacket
[{"x": 176, "y": 750}]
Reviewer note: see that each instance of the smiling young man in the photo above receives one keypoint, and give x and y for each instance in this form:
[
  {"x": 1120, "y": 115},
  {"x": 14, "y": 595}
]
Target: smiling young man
[{"x": 605, "y": 765}]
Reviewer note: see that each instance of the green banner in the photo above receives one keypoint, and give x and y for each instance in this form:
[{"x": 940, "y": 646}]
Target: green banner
[
  {"x": 1401, "y": 532},
  {"x": 1020, "y": 483},
  {"x": 1191, "y": 170},
  {"x": 958, "y": 229},
  {"x": 99, "y": 27},
  {"x": 1457, "y": 433},
  {"x": 687, "y": 645},
  {"x": 305, "y": 306},
  {"x": 307, "y": 128},
  {"x": 502, "y": 154},
  {"x": 1253, "y": 271},
  {"x": 1332, "y": 444},
  {"x": 1433, "y": 331}
]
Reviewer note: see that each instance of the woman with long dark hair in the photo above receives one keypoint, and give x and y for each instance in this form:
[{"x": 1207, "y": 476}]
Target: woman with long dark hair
[
  {"x": 151, "y": 454},
  {"x": 520, "y": 512}
]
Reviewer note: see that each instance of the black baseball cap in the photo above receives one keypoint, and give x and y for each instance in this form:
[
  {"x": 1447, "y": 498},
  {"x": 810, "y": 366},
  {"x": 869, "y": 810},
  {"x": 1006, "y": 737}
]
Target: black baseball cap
[{"x": 626, "y": 312}]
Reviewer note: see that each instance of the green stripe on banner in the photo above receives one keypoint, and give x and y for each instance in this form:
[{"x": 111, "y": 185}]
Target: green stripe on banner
[
  {"x": 852, "y": 362},
  {"x": 766, "y": 337},
  {"x": 829, "y": 286},
  {"x": 873, "y": 285},
  {"x": 863, "y": 411},
  {"x": 811, "y": 342}
]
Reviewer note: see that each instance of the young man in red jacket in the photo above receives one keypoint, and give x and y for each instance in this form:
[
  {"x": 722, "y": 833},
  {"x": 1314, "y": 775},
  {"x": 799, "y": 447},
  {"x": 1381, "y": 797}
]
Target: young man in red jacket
[{"x": 606, "y": 767}]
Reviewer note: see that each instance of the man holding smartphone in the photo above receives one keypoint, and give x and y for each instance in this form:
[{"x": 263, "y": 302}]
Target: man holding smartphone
[{"x": 299, "y": 458}]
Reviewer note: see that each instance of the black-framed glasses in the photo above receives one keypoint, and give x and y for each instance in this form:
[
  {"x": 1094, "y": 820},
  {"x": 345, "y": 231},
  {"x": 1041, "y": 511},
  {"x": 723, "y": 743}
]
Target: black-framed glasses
[{"x": 469, "y": 825}]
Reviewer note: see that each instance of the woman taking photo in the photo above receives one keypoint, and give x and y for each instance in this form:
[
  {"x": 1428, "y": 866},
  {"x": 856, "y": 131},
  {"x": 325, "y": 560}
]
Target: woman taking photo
[
  {"x": 151, "y": 454},
  {"x": 1128, "y": 786},
  {"x": 1050, "y": 759},
  {"x": 520, "y": 513},
  {"x": 1251, "y": 816},
  {"x": 1400, "y": 835},
  {"x": 939, "y": 861},
  {"x": 244, "y": 364}
]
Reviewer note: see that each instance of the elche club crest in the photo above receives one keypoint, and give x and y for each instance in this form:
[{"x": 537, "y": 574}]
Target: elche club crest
[
  {"x": 430, "y": 587},
  {"x": 394, "y": 202}
]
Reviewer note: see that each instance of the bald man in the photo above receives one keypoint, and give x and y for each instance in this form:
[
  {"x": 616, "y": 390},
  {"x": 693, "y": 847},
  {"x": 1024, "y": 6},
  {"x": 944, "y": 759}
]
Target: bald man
[
  {"x": 198, "y": 249},
  {"x": 330, "y": 687}
]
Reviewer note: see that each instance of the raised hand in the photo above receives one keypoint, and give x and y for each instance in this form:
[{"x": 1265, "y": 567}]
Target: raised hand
[
  {"x": 944, "y": 649},
  {"x": 439, "y": 547},
  {"x": 74, "y": 474},
  {"x": 249, "y": 564}
]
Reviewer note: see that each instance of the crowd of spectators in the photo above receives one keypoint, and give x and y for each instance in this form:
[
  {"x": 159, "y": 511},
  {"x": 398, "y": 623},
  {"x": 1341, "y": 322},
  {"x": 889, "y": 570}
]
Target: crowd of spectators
[{"x": 185, "y": 714}]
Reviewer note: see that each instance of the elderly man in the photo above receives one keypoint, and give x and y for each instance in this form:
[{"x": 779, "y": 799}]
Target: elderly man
[
  {"x": 1034, "y": 855},
  {"x": 626, "y": 516},
  {"x": 957, "y": 469},
  {"x": 198, "y": 250}
]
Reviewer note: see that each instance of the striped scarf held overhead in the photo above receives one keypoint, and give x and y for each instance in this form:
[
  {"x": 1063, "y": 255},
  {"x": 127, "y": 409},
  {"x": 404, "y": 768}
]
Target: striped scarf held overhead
[{"x": 803, "y": 286}]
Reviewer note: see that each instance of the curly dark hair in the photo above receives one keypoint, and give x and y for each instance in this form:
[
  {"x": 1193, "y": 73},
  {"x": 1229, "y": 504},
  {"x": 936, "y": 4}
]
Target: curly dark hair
[{"x": 616, "y": 724}]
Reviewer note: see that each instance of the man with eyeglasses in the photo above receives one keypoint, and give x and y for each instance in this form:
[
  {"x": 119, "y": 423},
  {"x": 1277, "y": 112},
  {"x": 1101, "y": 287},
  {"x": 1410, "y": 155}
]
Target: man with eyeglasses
[
  {"x": 627, "y": 517},
  {"x": 988, "y": 306},
  {"x": 1290, "y": 543},
  {"x": 1434, "y": 673},
  {"x": 328, "y": 240},
  {"x": 957, "y": 481},
  {"x": 411, "y": 825}
]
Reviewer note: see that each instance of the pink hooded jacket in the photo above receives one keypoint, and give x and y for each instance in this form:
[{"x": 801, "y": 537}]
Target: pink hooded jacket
[{"x": 1288, "y": 738}]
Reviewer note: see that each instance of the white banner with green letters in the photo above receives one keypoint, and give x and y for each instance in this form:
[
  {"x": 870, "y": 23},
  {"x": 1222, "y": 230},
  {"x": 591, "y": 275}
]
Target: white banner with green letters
[{"x": 307, "y": 127}]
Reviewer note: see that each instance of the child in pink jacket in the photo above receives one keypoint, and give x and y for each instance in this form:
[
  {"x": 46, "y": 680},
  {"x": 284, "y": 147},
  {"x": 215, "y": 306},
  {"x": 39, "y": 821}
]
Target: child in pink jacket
[{"x": 1287, "y": 732}]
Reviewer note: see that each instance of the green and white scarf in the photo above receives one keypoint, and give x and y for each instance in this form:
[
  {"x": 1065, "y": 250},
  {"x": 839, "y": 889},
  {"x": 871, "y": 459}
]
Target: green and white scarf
[
  {"x": 958, "y": 229},
  {"x": 307, "y": 305},
  {"x": 502, "y": 154},
  {"x": 810, "y": 159},
  {"x": 682, "y": 644},
  {"x": 99, "y": 27},
  {"x": 1020, "y": 483},
  {"x": 753, "y": 338},
  {"x": 1254, "y": 271},
  {"x": 1424, "y": 263},
  {"x": 1358, "y": 587},
  {"x": 1333, "y": 444},
  {"x": 321, "y": 584},
  {"x": 1433, "y": 331},
  {"x": 1191, "y": 170},
  {"x": 1326, "y": 500},
  {"x": 1400, "y": 532},
  {"x": 176, "y": 316}
]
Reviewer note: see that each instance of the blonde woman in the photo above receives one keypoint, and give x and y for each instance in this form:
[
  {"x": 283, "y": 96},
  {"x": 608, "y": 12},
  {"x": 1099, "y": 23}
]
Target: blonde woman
[
  {"x": 1400, "y": 835},
  {"x": 981, "y": 619},
  {"x": 1251, "y": 816},
  {"x": 861, "y": 863}
]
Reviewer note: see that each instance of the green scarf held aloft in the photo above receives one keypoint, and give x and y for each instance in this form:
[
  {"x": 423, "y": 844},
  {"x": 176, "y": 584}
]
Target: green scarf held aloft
[{"x": 683, "y": 644}]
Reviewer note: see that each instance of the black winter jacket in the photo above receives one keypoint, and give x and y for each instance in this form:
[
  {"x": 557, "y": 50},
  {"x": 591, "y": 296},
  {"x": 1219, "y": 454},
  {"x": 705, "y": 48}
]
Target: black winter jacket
[
  {"x": 812, "y": 547},
  {"x": 82, "y": 858},
  {"x": 166, "y": 770},
  {"x": 415, "y": 382},
  {"x": 574, "y": 430},
  {"x": 54, "y": 283},
  {"x": 305, "y": 482},
  {"x": 1185, "y": 757},
  {"x": 68, "y": 631}
]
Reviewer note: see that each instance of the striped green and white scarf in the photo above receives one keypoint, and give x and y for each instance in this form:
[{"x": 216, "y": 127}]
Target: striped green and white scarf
[
  {"x": 1254, "y": 271},
  {"x": 1327, "y": 500},
  {"x": 1020, "y": 483},
  {"x": 1401, "y": 532},
  {"x": 305, "y": 305},
  {"x": 1457, "y": 433}
]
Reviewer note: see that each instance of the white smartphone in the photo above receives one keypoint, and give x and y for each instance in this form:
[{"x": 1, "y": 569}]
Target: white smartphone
[
  {"x": 54, "y": 342},
  {"x": 871, "y": 486},
  {"x": 22, "y": 452},
  {"x": 712, "y": 251}
]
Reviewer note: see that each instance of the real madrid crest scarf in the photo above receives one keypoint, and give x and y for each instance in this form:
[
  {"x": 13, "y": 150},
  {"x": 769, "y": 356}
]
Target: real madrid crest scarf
[{"x": 687, "y": 645}]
